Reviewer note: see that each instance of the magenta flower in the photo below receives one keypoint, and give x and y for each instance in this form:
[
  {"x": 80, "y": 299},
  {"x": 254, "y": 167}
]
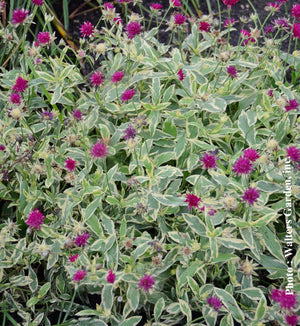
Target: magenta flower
[
  {"x": 2, "y": 148},
  {"x": 77, "y": 114},
  {"x": 38, "y": 2},
  {"x": 179, "y": 19},
  {"x": 108, "y": 5},
  {"x": 204, "y": 26},
  {"x": 286, "y": 300},
  {"x": 19, "y": 15},
  {"x": 230, "y": 3},
  {"x": 293, "y": 153},
  {"x": 180, "y": 75},
  {"x": 118, "y": 20},
  {"x": 87, "y": 29},
  {"x": 117, "y": 76},
  {"x": 97, "y": 78},
  {"x": 209, "y": 161},
  {"x": 15, "y": 98},
  {"x": 111, "y": 277},
  {"x": 272, "y": 6},
  {"x": 146, "y": 282},
  {"x": 82, "y": 240},
  {"x": 250, "y": 196},
  {"x": 20, "y": 85},
  {"x": 242, "y": 166},
  {"x": 276, "y": 295},
  {"x": 73, "y": 258},
  {"x": 251, "y": 154},
  {"x": 99, "y": 150},
  {"x": 133, "y": 29},
  {"x": 127, "y": 95},
  {"x": 293, "y": 105},
  {"x": 156, "y": 6},
  {"x": 269, "y": 29},
  {"x": 214, "y": 302},
  {"x": 282, "y": 23},
  {"x": 47, "y": 115},
  {"x": 192, "y": 200},
  {"x": 43, "y": 38},
  {"x": 232, "y": 72},
  {"x": 296, "y": 11},
  {"x": 129, "y": 132},
  {"x": 270, "y": 92},
  {"x": 70, "y": 164},
  {"x": 35, "y": 219},
  {"x": 291, "y": 320},
  {"x": 175, "y": 3},
  {"x": 229, "y": 23},
  {"x": 79, "y": 275},
  {"x": 212, "y": 212},
  {"x": 296, "y": 30}
]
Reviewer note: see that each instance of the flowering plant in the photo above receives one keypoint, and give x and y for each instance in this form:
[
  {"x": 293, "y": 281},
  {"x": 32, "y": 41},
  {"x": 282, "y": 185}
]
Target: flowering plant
[{"x": 149, "y": 181}]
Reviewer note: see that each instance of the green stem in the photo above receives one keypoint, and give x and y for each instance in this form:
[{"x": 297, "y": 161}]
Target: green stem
[{"x": 70, "y": 306}]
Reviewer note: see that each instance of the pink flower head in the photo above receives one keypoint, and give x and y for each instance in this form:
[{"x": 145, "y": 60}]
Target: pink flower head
[
  {"x": 229, "y": 23},
  {"x": 43, "y": 38},
  {"x": 79, "y": 275},
  {"x": 175, "y": 3},
  {"x": 212, "y": 212},
  {"x": 108, "y": 5},
  {"x": 111, "y": 277},
  {"x": 245, "y": 33},
  {"x": 291, "y": 320},
  {"x": 20, "y": 85},
  {"x": 87, "y": 29},
  {"x": 117, "y": 76},
  {"x": 127, "y": 95},
  {"x": 146, "y": 282},
  {"x": 2, "y": 148},
  {"x": 270, "y": 92},
  {"x": 133, "y": 29},
  {"x": 192, "y": 200},
  {"x": 272, "y": 6},
  {"x": 251, "y": 195},
  {"x": 204, "y": 26},
  {"x": 82, "y": 240},
  {"x": 70, "y": 164},
  {"x": 15, "y": 98},
  {"x": 19, "y": 15},
  {"x": 214, "y": 302},
  {"x": 296, "y": 30},
  {"x": 77, "y": 114},
  {"x": 73, "y": 258},
  {"x": 232, "y": 72},
  {"x": 230, "y": 3},
  {"x": 38, "y": 2},
  {"x": 129, "y": 132},
  {"x": 282, "y": 23},
  {"x": 180, "y": 75},
  {"x": 242, "y": 166},
  {"x": 293, "y": 105},
  {"x": 209, "y": 161},
  {"x": 179, "y": 19},
  {"x": 118, "y": 20},
  {"x": 99, "y": 150},
  {"x": 47, "y": 115},
  {"x": 97, "y": 78},
  {"x": 269, "y": 29},
  {"x": 293, "y": 153},
  {"x": 288, "y": 301},
  {"x": 296, "y": 11},
  {"x": 156, "y": 6},
  {"x": 276, "y": 294},
  {"x": 251, "y": 154},
  {"x": 35, "y": 219}
]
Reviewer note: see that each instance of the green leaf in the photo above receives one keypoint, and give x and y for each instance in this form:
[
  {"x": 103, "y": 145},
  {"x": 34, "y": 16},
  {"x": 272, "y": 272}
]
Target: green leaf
[
  {"x": 195, "y": 224},
  {"x": 169, "y": 200},
  {"x": 133, "y": 321},
  {"x": 269, "y": 187},
  {"x": 227, "y": 320},
  {"x": 133, "y": 296},
  {"x": 56, "y": 95},
  {"x": 245, "y": 123},
  {"x": 261, "y": 309},
  {"x": 252, "y": 293},
  {"x": 215, "y": 105},
  {"x": 185, "y": 309},
  {"x": 180, "y": 146},
  {"x": 239, "y": 223},
  {"x": 94, "y": 224},
  {"x": 107, "y": 297},
  {"x": 89, "y": 211},
  {"x": 230, "y": 303},
  {"x": 32, "y": 302},
  {"x": 271, "y": 242},
  {"x": 44, "y": 289}
]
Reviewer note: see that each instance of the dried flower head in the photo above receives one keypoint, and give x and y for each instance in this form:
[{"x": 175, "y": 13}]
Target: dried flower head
[
  {"x": 248, "y": 267},
  {"x": 272, "y": 145}
]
